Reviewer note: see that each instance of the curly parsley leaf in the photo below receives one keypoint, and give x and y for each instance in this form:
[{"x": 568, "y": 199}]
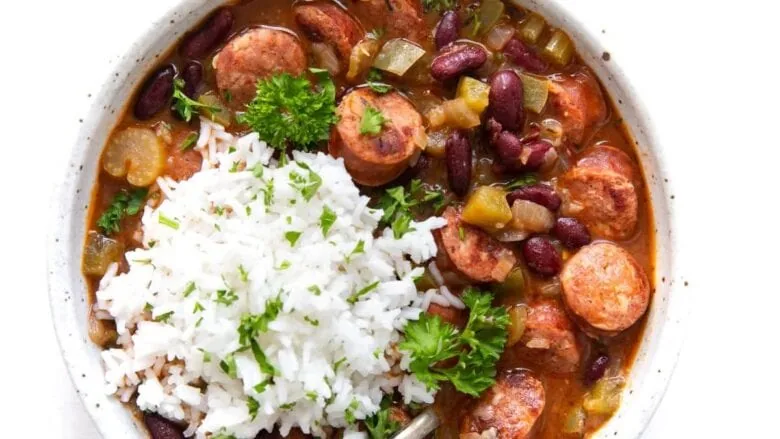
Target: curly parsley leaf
[
  {"x": 186, "y": 106},
  {"x": 124, "y": 204},
  {"x": 372, "y": 122},
  {"x": 477, "y": 347},
  {"x": 397, "y": 204},
  {"x": 381, "y": 425},
  {"x": 288, "y": 109}
]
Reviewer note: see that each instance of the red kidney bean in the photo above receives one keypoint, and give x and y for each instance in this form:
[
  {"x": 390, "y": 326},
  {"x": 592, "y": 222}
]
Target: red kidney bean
[
  {"x": 192, "y": 76},
  {"x": 506, "y": 100},
  {"x": 201, "y": 42},
  {"x": 508, "y": 148},
  {"x": 572, "y": 233},
  {"x": 596, "y": 369},
  {"x": 541, "y": 256},
  {"x": 155, "y": 93},
  {"x": 161, "y": 428},
  {"x": 458, "y": 155},
  {"x": 448, "y": 29},
  {"x": 533, "y": 154},
  {"x": 457, "y": 61},
  {"x": 524, "y": 56},
  {"x": 538, "y": 193}
]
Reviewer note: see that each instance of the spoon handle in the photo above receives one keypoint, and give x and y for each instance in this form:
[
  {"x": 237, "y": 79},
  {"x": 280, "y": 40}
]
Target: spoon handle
[{"x": 421, "y": 426}]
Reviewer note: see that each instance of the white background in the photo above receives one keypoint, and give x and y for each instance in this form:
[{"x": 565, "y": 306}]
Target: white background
[{"x": 708, "y": 71}]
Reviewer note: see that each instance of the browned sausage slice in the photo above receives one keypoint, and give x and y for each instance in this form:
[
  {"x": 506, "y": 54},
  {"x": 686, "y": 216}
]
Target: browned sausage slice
[
  {"x": 325, "y": 22},
  {"x": 601, "y": 192},
  {"x": 578, "y": 103},
  {"x": 181, "y": 165},
  {"x": 449, "y": 314},
  {"x": 254, "y": 55},
  {"x": 374, "y": 160},
  {"x": 472, "y": 251},
  {"x": 549, "y": 340},
  {"x": 508, "y": 410},
  {"x": 400, "y": 18},
  {"x": 605, "y": 289}
]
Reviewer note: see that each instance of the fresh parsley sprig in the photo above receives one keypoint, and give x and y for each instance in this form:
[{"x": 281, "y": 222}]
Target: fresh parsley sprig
[
  {"x": 430, "y": 341},
  {"x": 185, "y": 106},
  {"x": 289, "y": 109},
  {"x": 397, "y": 204},
  {"x": 381, "y": 425},
  {"x": 125, "y": 203}
]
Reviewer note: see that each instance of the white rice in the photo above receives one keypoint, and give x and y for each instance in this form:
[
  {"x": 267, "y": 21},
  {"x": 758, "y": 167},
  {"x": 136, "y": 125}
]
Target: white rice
[{"x": 223, "y": 228}]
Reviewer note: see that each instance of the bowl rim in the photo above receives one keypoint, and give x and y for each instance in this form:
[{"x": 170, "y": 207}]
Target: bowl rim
[{"x": 64, "y": 234}]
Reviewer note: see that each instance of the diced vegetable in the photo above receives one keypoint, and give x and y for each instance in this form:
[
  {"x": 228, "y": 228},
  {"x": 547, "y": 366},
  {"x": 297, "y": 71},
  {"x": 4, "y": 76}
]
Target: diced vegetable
[
  {"x": 426, "y": 282},
  {"x": 517, "y": 318},
  {"x": 436, "y": 117},
  {"x": 459, "y": 114},
  {"x": 552, "y": 288},
  {"x": 535, "y": 91},
  {"x": 215, "y": 109},
  {"x": 531, "y": 28},
  {"x": 436, "y": 142},
  {"x": 398, "y": 55},
  {"x": 474, "y": 93},
  {"x": 487, "y": 208},
  {"x": 497, "y": 38},
  {"x": 325, "y": 58},
  {"x": 528, "y": 216},
  {"x": 513, "y": 285},
  {"x": 101, "y": 332},
  {"x": 574, "y": 422},
  {"x": 604, "y": 397},
  {"x": 485, "y": 17},
  {"x": 360, "y": 58},
  {"x": 551, "y": 130},
  {"x": 559, "y": 48},
  {"x": 99, "y": 252},
  {"x": 136, "y": 153}
]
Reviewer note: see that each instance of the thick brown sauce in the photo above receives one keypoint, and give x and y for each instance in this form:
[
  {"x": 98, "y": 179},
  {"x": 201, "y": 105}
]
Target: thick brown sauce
[{"x": 562, "y": 392}]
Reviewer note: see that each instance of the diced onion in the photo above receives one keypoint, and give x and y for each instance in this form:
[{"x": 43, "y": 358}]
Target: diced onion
[
  {"x": 397, "y": 56},
  {"x": 509, "y": 235},
  {"x": 551, "y": 130},
  {"x": 326, "y": 58},
  {"x": 530, "y": 217},
  {"x": 497, "y": 38},
  {"x": 531, "y": 28}
]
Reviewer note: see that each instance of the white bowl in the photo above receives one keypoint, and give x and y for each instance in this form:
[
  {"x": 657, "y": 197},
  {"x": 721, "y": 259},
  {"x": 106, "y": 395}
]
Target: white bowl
[{"x": 661, "y": 341}]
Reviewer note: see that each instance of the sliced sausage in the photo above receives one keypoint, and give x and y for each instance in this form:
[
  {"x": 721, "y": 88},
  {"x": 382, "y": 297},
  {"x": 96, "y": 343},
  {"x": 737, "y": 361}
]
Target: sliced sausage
[
  {"x": 605, "y": 289},
  {"x": 578, "y": 104},
  {"x": 324, "y": 22},
  {"x": 508, "y": 410},
  {"x": 399, "y": 18},
  {"x": 600, "y": 191},
  {"x": 472, "y": 251},
  {"x": 549, "y": 340},
  {"x": 374, "y": 160},
  {"x": 181, "y": 165},
  {"x": 254, "y": 55}
]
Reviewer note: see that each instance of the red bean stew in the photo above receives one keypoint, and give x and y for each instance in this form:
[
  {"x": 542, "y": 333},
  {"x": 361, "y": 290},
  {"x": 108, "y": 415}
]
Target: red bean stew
[{"x": 533, "y": 170}]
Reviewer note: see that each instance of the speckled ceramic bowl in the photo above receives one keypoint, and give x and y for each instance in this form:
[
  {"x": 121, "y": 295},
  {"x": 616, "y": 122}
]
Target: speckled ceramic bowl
[{"x": 662, "y": 339}]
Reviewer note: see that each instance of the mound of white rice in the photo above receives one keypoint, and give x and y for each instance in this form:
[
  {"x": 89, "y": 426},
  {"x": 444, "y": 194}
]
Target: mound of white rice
[{"x": 229, "y": 243}]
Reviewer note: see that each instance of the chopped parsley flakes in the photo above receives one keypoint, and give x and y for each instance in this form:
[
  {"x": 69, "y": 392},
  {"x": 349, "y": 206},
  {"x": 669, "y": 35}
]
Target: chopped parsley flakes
[
  {"x": 372, "y": 121},
  {"x": 327, "y": 219},
  {"x": 125, "y": 203}
]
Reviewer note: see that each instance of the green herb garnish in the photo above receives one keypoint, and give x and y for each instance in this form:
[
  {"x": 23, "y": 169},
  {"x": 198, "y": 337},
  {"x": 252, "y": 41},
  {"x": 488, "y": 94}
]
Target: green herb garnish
[
  {"x": 185, "y": 106},
  {"x": 353, "y": 299},
  {"x": 226, "y": 297},
  {"x": 292, "y": 237},
  {"x": 169, "y": 222},
  {"x": 380, "y": 425},
  {"x": 327, "y": 219},
  {"x": 478, "y": 347},
  {"x": 522, "y": 181},
  {"x": 288, "y": 109},
  {"x": 188, "y": 142},
  {"x": 124, "y": 204},
  {"x": 372, "y": 122}
]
